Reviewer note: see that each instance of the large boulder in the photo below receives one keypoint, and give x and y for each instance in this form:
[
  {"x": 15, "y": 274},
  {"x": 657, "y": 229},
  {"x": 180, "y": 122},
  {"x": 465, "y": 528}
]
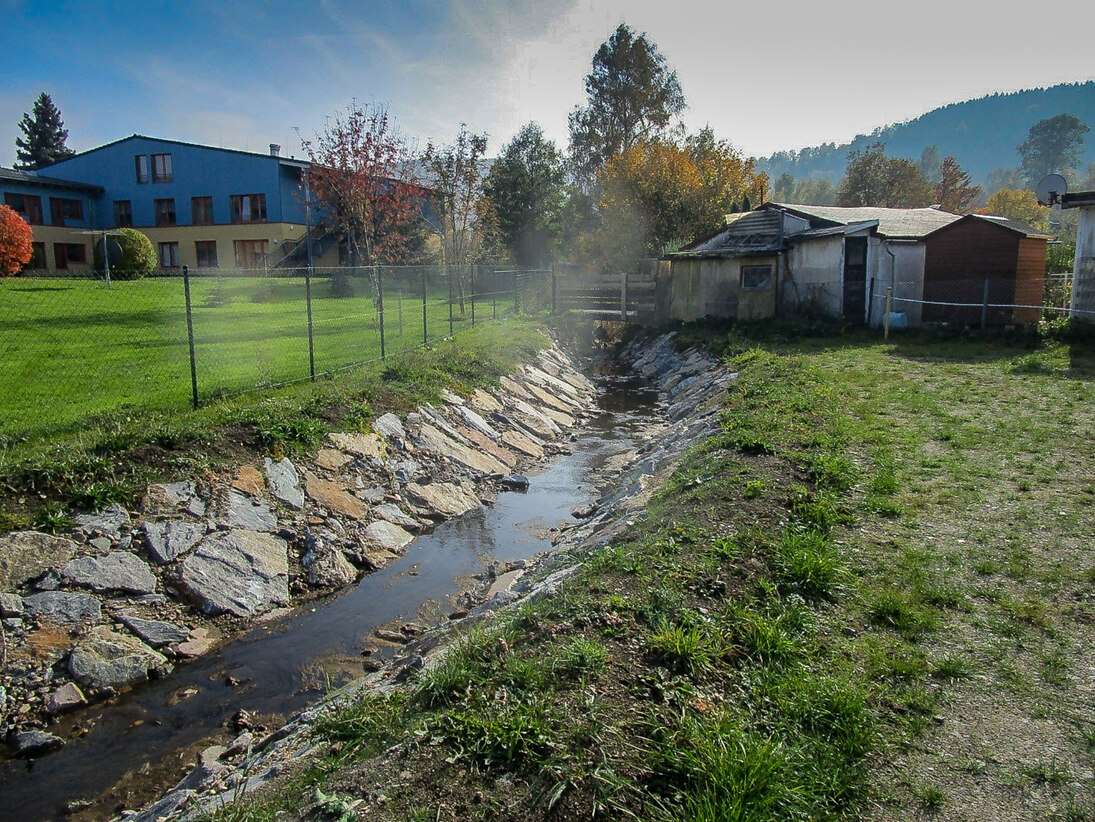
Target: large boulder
[
  {"x": 387, "y": 535},
  {"x": 237, "y": 572},
  {"x": 106, "y": 659},
  {"x": 433, "y": 439},
  {"x": 442, "y": 499},
  {"x": 329, "y": 568},
  {"x": 25, "y": 555},
  {"x": 117, "y": 571}
]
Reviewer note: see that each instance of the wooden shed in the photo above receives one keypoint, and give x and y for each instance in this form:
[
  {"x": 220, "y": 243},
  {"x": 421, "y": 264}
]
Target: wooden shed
[{"x": 982, "y": 259}]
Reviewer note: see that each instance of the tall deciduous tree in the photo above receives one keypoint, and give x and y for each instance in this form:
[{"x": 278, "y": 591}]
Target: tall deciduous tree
[
  {"x": 955, "y": 191},
  {"x": 1021, "y": 205},
  {"x": 15, "y": 242},
  {"x": 1052, "y": 147},
  {"x": 364, "y": 185},
  {"x": 873, "y": 179},
  {"x": 44, "y": 136},
  {"x": 525, "y": 192},
  {"x": 632, "y": 95}
]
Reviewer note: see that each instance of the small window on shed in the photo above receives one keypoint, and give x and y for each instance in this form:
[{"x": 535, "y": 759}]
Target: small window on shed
[{"x": 756, "y": 277}]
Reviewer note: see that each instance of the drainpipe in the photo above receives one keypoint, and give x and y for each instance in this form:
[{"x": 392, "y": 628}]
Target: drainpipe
[{"x": 893, "y": 268}]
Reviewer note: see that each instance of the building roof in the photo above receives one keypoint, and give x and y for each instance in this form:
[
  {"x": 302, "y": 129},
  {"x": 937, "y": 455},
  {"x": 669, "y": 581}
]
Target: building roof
[
  {"x": 34, "y": 178},
  {"x": 1078, "y": 199},
  {"x": 894, "y": 223},
  {"x": 1011, "y": 225},
  {"x": 835, "y": 231},
  {"x": 288, "y": 161},
  {"x": 749, "y": 233}
]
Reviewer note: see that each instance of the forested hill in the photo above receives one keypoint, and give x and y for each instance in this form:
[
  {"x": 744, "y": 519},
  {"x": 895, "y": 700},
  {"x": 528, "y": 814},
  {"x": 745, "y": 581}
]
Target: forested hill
[{"x": 981, "y": 134}]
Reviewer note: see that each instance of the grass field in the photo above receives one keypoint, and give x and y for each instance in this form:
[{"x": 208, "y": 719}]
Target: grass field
[
  {"x": 869, "y": 596},
  {"x": 74, "y": 348}
]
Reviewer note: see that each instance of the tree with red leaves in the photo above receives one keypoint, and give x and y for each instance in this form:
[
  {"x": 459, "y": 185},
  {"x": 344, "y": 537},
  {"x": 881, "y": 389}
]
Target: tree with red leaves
[
  {"x": 364, "y": 186},
  {"x": 15, "y": 242}
]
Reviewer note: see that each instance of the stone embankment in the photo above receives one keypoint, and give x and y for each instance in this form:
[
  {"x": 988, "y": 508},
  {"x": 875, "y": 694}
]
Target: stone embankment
[
  {"x": 691, "y": 386},
  {"x": 126, "y": 595}
]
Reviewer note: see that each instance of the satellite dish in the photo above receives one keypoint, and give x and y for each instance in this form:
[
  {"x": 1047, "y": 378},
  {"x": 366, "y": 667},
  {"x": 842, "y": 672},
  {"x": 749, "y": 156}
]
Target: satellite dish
[
  {"x": 113, "y": 250},
  {"x": 1050, "y": 190}
]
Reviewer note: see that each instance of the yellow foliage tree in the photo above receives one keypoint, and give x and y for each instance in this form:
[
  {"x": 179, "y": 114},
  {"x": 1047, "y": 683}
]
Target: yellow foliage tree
[{"x": 1020, "y": 205}]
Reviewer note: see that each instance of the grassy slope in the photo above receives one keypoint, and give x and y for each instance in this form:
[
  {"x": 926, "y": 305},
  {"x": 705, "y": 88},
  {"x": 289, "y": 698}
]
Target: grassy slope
[{"x": 870, "y": 596}]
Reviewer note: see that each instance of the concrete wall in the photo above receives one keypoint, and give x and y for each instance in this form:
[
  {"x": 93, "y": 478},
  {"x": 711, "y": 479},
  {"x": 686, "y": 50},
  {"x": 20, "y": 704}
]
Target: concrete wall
[
  {"x": 1083, "y": 286},
  {"x": 812, "y": 276},
  {"x": 712, "y": 288}
]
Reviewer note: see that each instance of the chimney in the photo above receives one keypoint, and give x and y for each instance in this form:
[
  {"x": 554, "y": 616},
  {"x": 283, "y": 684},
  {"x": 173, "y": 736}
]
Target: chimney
[{"x": 275, "y": 150}]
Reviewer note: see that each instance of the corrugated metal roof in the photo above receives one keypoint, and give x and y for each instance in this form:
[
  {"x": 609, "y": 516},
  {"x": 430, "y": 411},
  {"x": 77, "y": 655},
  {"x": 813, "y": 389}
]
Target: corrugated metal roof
[
  {"x": 834, "y": 231},
  {"x": 898, "y": 223},
  {"x": 33, "y": 178},
  {"x": 748, "y": 233}
]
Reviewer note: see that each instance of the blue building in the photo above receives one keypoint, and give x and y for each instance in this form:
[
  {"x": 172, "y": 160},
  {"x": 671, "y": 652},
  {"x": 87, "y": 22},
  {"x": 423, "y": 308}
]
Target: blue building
[{"x": 201, "y": 206}]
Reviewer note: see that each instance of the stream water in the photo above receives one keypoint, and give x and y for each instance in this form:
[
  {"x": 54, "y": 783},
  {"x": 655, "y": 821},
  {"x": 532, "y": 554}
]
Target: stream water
[{"x": 286, "y": 664}]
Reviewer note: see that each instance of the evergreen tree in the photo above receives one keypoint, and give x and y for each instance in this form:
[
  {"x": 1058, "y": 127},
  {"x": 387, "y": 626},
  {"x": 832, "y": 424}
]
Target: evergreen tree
[{"x": 45, "y": 136}]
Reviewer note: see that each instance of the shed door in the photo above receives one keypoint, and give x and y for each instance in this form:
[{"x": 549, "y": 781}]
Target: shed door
[{"x": 855, "y": 279}]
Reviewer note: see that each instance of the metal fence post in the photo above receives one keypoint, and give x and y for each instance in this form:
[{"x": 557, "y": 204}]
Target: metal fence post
[
  {"x": 870, "y": 303},
  {"x": 380, "y": 308},
  {"x": 311, "y": 338},
  {"x": 190, "y": 337},
  {"x": 623, "y": 297},
  {"x": 474, "y": 285},
  {"x": 516, "y": 291},
  {"x": 425, "y": 333},
  {"x": 448, "y": 273},
  {"x": 985, "y": 304}
]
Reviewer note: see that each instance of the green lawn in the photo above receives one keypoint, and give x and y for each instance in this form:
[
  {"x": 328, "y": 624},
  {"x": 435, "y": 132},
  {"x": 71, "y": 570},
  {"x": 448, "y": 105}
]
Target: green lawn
[{"x": 73, "y": 348}]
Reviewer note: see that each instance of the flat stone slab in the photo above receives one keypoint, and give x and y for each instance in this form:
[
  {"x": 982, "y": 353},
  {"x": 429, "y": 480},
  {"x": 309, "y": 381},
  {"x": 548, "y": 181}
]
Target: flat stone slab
[
  {"x": 35, "y": 743},
  {"x": 332, "y": 459},
  {"x": 387, "y": 535},
  {"x": 443, "y": 498},
  {"x": 332, "y": 496},
  {"x": 489, "y": 446},
  {"x": 11, "y": 605},
  {"x": 549, "y": 400},
  {"x": 476, "y": 421},
  {"x": 249, "y": 481},
  {"x": 247, "y": 514},
  {"x": 513, "y": 387},
  {"x": 66, "y": 698},
  {"x": 365, "y": 446},
  {"x": 390, "y": 426},
  {"x": 61, "y": 606},
  {"x": 432, "y": 439},
  {"x": 329, "y": 568},
  {"x": 237, "y": 572},
  {"x": 390, "y": 512},
  {"x": 109, "y": 521},
  {"x": 284, "y": 482},
  {"x": 154, "y": 632},
  {"x": 170, "y": 539},
  {"x": 117, "y": 571},
  {"x": 163, "y": 500},
  {"x": 108, "y": 659},
  {"x": 485, "y": 402},
  {"x": 519, "y": 442},
  {"x": 26, "y": 555}
]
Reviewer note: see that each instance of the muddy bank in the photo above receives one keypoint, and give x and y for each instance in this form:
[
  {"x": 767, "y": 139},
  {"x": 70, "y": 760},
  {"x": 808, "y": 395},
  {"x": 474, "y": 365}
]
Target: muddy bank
[{"x": 690, "y": 385}]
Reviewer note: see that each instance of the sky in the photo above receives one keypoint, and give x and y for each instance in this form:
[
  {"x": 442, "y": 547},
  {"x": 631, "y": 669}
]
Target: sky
[{"x": 766, "y": 76}]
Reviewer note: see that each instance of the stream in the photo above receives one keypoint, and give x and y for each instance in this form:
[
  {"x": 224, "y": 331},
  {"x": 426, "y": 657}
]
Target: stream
[{"x": 282, "y": 666}]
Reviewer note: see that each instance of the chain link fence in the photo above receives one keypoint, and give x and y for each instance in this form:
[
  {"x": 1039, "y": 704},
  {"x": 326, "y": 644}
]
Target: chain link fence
[{"x": 74, "y": 347}]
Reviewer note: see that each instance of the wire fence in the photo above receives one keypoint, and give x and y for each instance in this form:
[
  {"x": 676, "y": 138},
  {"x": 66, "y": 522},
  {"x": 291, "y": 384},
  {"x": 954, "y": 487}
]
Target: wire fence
[{"x": 74, "y": 347}]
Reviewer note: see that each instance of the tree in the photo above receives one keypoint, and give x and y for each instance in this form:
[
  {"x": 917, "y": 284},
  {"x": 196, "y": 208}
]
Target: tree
[
  {"x": 455, "y": 174},
  {"x": 784, "y": 189},
  {"x": 873, "y": 179},
  {"x": 44, "y": 136},
  {"x": 15, "y": 242},
  {"x": 930, "y": 164},
  {"x": 955, "y": 191},
  {"x": 819, "y": 191},
  {"x": 632, "y": 95},
  {"x": 1020, "y": 205},
  {"x": 363, "y": 184},
  {"x": 138, "y": 255},
  {"x": 525, "y": 192},
  {"x": 1052, "y": 147}
]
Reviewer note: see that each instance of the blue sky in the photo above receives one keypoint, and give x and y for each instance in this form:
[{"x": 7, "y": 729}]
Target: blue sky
[{"x": 764, "y": 76}]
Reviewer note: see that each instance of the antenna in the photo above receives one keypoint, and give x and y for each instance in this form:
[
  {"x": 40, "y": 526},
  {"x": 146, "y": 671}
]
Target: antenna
[{"x": 1051, "y": 189}]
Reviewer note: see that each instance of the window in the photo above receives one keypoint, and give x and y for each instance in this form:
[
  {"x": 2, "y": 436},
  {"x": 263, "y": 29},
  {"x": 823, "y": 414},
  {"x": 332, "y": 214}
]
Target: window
[
  {"x": 250, "y": 253},
  {"x": 161, "y": 168},
  {"x": 206, "y": 251},
  {"x": 123, "y": 214},
  {"x": 28, "y": 206},
  {"x": 202, "y": 209},
  {"x": 141, "y": 162},
  {"x": 62, "y": 210},
  {"x": 65, "y": 253},
  {"x": 248, "y": 208},
  {"x": 756, "y": 277},
  {"x": 37, "y": 256},
  {"x": 165, "y": 212},
  {"x": 169, "y": 255}
]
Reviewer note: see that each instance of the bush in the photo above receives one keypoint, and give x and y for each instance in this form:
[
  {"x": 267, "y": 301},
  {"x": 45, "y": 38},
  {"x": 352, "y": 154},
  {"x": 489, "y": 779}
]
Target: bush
[
  {"x": 15, "y": 242},
  {"x": 138, "y": 256}
]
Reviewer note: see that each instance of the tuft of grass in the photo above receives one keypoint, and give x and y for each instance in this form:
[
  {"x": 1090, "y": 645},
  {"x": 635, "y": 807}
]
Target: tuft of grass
[
  {"x": 582, "y": 657},
  {"x": 692, "y": 647},
  {"x": 807, "y": 563},
  {"x": 902, "y": 612},
  {"x": 952, "y": 668}
]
